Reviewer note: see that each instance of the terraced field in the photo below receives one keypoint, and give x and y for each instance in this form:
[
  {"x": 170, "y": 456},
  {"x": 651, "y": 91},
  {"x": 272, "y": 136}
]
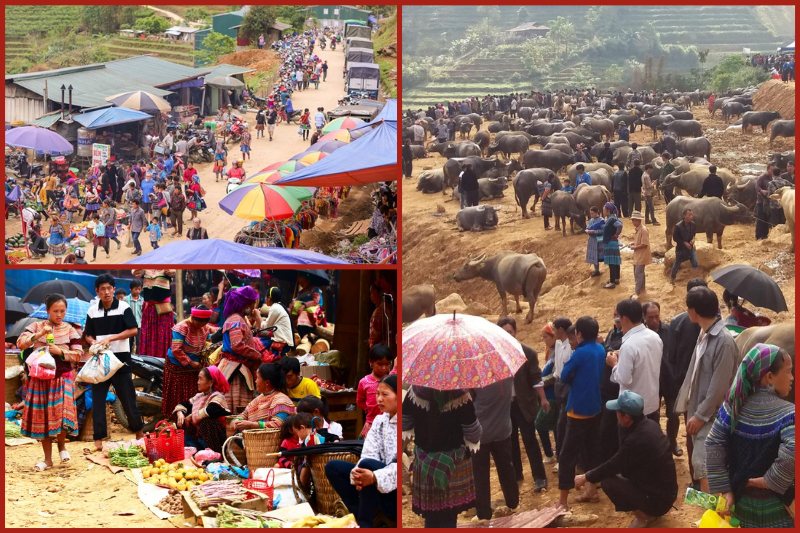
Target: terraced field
[
  {"x": 21, "y": 21},
  {"x": 121, "y": 47}
]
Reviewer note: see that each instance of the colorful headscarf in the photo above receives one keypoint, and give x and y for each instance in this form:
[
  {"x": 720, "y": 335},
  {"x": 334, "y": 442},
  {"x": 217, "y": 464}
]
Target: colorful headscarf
[
  {"x": 611, "y": 207},
  {"x": 218, "y": 378},
  {"x": 202, "y": 314},
  {"x": 238, "y": 299},
  {"x": 548, "y": 328},
  {"x": 753, "y": 367}
]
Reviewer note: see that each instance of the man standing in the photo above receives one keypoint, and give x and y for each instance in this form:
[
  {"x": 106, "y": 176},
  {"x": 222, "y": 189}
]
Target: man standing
[
  {"x": 261, "y": 120},
  {"x": 319, "y": 118},
  {"x": 652, "y": 319},
  {"x": 196, "y": 232},
  {"x": 712, "y": 185},
  {"x": 138, "y": 223},
  {"x": 111, "y": 323},
  {"x": 468, "y": 187},
  {"x": 776, "y": 214},
  {"x": 619, "y": 186},
  {"x": 709, "y": 376},
  {"x": 762, "y": 203},
  {"x": 563, "y": 351},
  {"x": 635, "y": 185},
  {"x": 606, "y": 154},
  {"x": 640, "y": 478},
  {"x": 637, "y": 366},
  {"x": 272, "y": 119},
  {"x": 649, "y": 192},
  {"x": 666, "y": 170},
  {"x": 324, "y": 71},
  {"x": 641, "y": 251},
  {"x": 789, "y": 174},
  {"x": 136, "y": 302},
  {"x": 683, "y": 235}
]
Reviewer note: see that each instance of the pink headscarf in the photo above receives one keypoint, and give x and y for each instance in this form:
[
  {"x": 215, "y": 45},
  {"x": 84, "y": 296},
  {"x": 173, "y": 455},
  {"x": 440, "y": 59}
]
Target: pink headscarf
[{"x": 220, "y": 384}]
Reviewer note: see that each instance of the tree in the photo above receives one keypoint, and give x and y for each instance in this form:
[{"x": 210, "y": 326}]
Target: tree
[
  {"x": 562, "y": 31},
  {"x": 214, "y": 45},
  {"x": 152, "y": 24},
  {"x": 100, "y": 18},
  {"x": 258, "y": 20},
  {"x": 614, "y": 75},
  {"x": 294, "y": 15},
  {"x": 733, "y": 72},
  {"x": 197, "y": 14}
]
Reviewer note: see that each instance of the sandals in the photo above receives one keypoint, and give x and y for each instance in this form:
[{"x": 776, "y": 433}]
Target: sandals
[
  {"x": 41, "y": 466},
  {"x": 64, "y": 454}
]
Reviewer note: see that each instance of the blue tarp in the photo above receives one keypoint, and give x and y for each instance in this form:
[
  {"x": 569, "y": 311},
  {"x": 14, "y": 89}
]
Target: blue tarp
[
  {"x": 369, "y": 159},
  {"x": 110, "y": 116},
  {"x": 389, "y": 112},
  {"x": 19, "y": 282},
  {"x": 222, "y": 252}
]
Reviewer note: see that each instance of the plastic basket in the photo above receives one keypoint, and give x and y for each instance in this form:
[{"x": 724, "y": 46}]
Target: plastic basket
[{"x": 266, "y": 487}]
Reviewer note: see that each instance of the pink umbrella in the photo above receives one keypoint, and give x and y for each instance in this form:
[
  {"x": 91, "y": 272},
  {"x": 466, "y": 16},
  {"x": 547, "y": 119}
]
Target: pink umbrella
[{"x": 447, "y": 352}]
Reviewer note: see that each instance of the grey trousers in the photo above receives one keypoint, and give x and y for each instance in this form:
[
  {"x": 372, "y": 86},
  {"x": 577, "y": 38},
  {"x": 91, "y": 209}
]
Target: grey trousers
[{"x": 638, "y": 276}]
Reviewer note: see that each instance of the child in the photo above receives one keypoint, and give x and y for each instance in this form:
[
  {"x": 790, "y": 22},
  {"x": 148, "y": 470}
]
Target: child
[
  {"x": 594, "y": 246},
  {"x": 567, "y": 187},
  {"x": 288, "y": 442},
  {"x": 219, "y": 161},
  {"x": 155, "y": 232},
  {"x": 303, "y": 429},
  {"x": 244, "y": 145},
  {"x": 380, "y": 361},
  {"x": 99, "y": 239},
  {"x": 316, "y": 407}
]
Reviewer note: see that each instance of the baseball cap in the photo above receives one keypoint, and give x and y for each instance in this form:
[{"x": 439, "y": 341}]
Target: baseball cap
[{"x": 628, "y": 402}]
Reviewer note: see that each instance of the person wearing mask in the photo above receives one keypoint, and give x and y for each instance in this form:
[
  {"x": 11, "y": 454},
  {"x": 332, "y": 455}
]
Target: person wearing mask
[
  {"x": 640, "y": 478},
  {"x": 713, "y": 184},
  {"x": 711, "y": 371}
]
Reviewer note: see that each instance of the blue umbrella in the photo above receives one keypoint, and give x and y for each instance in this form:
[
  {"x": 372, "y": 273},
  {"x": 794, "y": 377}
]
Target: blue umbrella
[
  {"x": 14, "y": 196},
  {"x": 76, "y": 312},
  {"x": 40, "y": 139},
  {"x": 220, "y": 252}
]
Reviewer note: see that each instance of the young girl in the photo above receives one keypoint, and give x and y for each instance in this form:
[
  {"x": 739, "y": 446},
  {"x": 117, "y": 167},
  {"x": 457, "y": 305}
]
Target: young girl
[
  {"x": 244, "y": 145},
  {"x": 594, "y": 246},
  {"x": 154, "y": 228},
  {"x": 59, "y": 233},
  {"x": 304, "y": 431},
  {"x": 219, "y": 161},
  {"x": 317, "y": 408},
  {"x": 100, "y": 239},
  {"x": 305, "y": 124},
  {"x": 288, "y": 442}
]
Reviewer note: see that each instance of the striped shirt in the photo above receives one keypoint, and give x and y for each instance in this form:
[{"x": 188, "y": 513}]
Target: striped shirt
[{"x": 102, "y": 323}]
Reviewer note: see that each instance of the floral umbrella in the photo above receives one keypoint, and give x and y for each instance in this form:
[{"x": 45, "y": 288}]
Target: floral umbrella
[
  {"x": 447, "y": 352},
  {"x": 343, "y": 122},
  {"x": 262, "y": 201},
  {"x": 285, "y": 167}
]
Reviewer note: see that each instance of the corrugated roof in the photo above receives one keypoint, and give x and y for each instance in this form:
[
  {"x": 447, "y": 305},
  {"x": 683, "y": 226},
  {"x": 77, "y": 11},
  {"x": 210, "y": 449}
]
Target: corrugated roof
[
  {"x": 281, "y": 26},
  {"x": 153, "y": 70},
  {"x": 225, "y": 69},
  {"x": 183, "y": 29},
  {"x": 46, "y": 121},
  {"x": 528, "y": 26}
]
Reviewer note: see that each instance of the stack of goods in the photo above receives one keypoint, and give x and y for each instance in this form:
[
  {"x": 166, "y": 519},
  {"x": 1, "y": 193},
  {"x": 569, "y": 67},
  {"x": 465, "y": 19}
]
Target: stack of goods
[
  {"x": 12, "y": 430},
  {"x": 171, "y": 503},
  {"x": 228, "y": 516},
  {"x": 215, "y": 493},
  {"x": 327, "y": 385},
  {"x": 128, "y": 456},
  {"x": 175, "y": 476},
  {"x": 374, "y": 251}
]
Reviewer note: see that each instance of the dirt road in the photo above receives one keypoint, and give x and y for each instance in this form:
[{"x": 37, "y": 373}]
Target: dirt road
[{"x": 286, "y": 143}]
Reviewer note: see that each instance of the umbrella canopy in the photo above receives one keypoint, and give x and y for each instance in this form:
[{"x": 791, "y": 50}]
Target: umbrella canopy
[
  {"x": 327, "y": 146},
  {"x": 42, "y": 140},
  {"x": 226, "y": 82},
  {"x": 369, "y": 159},
  {"x": 343, "y": 134},
  {"x": 286, "y": 167},
  {"x": 262, "y": 201},
  {"x": 15, "y": 195},
  {"x": 68, "y": 289},
  {"x": 265, "y": 176},
  {"x": 316, "y": 277},
  {"x": 220, "y": 252},
  {"x": 110, "y": 116},
  {"x": 448, "y": 352},
  {"x": 348, "y": 123},
  {"x": 76, "y": 311},
  {"x": 16, "y": 309},
  {"x": 388, "y": 112},
  {"x": 751, "y": 284},
  {"x": 19, "y": 327},
  {"x": 310, "y": 157},
  {"x": 141, "y": 101}
]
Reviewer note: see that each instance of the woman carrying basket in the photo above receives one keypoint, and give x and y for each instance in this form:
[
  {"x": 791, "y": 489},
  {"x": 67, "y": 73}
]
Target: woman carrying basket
[
  {"x": 202, "y": 416},
  {"x": 183, "y": 363}
]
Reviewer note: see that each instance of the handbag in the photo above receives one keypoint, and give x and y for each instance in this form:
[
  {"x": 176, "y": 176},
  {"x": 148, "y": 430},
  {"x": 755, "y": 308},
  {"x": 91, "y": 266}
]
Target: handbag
[
  {"x": 162, "y": 308},
  {"x": 100, "y": 367},
  {"x": 166, "y": 442}
]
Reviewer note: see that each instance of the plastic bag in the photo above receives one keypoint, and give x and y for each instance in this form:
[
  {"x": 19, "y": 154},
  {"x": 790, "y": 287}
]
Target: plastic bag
[
  {"x": 101, "y": 367},
  {"x": 37, "y": 370}
]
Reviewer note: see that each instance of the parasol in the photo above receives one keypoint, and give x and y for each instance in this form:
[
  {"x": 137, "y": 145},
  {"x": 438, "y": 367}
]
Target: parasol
[
  {"x": 141, "y": 101},
  {"x": 226, "y": 82},
  {"x": 348, "y": 123},
  {"x": 753, "y": 285},
  {"x": 66, "y": 288},
  {"x": 262, "y": 201},
  {"x": 42, "y": 140}
]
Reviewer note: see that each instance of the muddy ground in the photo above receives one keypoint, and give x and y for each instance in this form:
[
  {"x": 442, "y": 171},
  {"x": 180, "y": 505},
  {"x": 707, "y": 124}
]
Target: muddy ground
[{"x": 433, "y": 249}]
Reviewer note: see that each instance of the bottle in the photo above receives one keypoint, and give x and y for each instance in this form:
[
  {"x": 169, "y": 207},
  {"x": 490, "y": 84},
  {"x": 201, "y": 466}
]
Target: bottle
[{"x": 700, "y": 499}]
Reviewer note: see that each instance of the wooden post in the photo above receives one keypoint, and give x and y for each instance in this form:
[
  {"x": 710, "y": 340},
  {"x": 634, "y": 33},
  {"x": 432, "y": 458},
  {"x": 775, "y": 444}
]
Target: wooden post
[{"x": 179, "y": 293}]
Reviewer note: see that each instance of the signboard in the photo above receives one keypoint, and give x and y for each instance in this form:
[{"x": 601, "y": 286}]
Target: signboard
[
  {"x": 100, "y": 153},
  {"x": 746, "y": 51}
]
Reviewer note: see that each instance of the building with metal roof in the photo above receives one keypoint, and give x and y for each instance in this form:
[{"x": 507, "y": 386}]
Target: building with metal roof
[{"x": 528, "y": 30}]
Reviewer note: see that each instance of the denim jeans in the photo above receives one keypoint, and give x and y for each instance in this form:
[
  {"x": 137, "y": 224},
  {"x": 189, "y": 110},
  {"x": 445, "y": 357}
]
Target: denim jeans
[
  {"x": 137, "y": 246},
  {"x": 677, "y": 264}
]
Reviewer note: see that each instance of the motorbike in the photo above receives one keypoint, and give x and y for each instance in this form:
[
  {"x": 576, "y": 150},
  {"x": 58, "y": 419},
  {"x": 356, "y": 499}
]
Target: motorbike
[
  {"x": 148, "y": 380},
  {"x": 200, "y": 151},
  {"x": 333, "y": 44},
  {"x": 232, "y": 184},
  {"x": 236, "y": 129}
]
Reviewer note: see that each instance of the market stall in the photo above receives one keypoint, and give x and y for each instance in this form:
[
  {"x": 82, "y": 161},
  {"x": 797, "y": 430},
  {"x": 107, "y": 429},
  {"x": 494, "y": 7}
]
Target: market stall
[{"x": 117, "y": 127}]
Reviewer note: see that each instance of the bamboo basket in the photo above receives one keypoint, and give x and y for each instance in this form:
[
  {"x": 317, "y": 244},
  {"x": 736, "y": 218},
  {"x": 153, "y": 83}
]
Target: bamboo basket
[
  {"x": 328, "y": 500},
  {"x": 260, "y": 446}
]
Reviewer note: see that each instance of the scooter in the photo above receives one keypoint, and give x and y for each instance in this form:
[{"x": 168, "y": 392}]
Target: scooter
[
  {"x": 232, "y": 184},
  {"x": 148, "y": 380}
]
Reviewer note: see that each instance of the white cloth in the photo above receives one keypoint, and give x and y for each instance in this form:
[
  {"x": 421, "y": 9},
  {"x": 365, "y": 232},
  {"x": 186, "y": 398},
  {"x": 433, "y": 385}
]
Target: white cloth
[
  {"x": 639, "y": 365},
  {"x": 563, "y": 353},
  {"x": 334, "y": 428},
  {"x": 280, "y": 318},
  {"x": 381, "y": 445}
]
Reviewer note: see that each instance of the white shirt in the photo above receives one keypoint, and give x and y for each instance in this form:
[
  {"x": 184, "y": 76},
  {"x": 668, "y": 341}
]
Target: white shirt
[
  {"x": 563, "y": 352},
  {"x": 280, "y": 318},
  {"x": 381, "y": 445},
  {"x": 639, "y": 365}
]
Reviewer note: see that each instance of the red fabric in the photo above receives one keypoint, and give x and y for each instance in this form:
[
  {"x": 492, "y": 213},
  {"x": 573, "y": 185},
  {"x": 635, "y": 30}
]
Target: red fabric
[
  {"x": 156, "y": 331},
  {"x": 180, "y": 384},
  {"x": 220, "y": 383}
]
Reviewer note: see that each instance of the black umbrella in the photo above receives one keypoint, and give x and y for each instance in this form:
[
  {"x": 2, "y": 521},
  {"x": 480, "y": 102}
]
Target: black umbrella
[
  {"x": 751, "y": 284},
  {"x": 68, "y": 289},
  {"x": 316, "y": 277},
  {"x": 18, "y": 327},
  {"x": 16, "y": 309}
]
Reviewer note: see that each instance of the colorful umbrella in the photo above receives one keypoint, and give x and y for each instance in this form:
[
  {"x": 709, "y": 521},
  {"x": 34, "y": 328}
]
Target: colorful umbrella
[
  {"x": 343, "y": 135},
  {"x": 141, "y": 101},
  {"x": 342, "y": 122},
  {"x": 265, "y": 176},
  {"x": 76, "y": 312},
  {"x": 309, "y": 158},
  {"x": 286, "y": 167},
  {"x": 262, "y": 201},
  {"x": 448, "y": 352},
  {"x": 226, "y": 82},
  {"x": 42, "y": 140},
  {"x": 326, "y": 146}
]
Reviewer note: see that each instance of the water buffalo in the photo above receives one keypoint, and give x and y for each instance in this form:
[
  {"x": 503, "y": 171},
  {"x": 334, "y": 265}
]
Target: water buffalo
[
  {"x": 595, "y": 150},
  {"x": 685, "y": 128},
  {"x": 758, "y": 118},
  {"x": 692, "y": 179},
  {"x": 587, "y": 196},
  {"x": 482, "y": 139},
  {"x": 785, "y": 195},
  {"x": 488, "y": 188},
  {"x": 431, "y": 181},
  {"x": 602, "y": 126},
  {"x": 718, "y": 103},
  {"x": 646, "y": 152},
  {"x": 572, "y": 171},
  {"x": 453, "y": 166},
  {"x": 565, "y": 207},
  {"x": 602, "y": 177},
  {"x": 695, "y": 146},
  {"x": 552, "y": 159},
  {"x": 782, "y": 159},
  {"x": 734, "y": 109},
  {"x": 418, "y": 151},
  {"x": 681, "y": 115},
  {"x": 780, "y": 335},
  {"x": 495, "y": 127},
  {"x": 657, "y": 122},
  {"x": 510, "y": 144},
  {"x": 546, "y": 129},
  {"x": 526, "y": 186},
  {"x": 502, "y": 134},
  {"x": 525, "y": 113},
  {"x": 452, "y": 149},
  {"x": 711, "y": 215},
  {"x": 743, "y": 192},
  {"x": 477, "y": 218},
  {"x": 418, "y": 300},
  {"x": 781, "y": 128},
  {"x": 565, "y": 148},
  {"x": 512, "y": 273}
]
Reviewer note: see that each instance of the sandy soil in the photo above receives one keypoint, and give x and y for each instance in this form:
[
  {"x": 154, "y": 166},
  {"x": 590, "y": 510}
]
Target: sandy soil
[
  {"x": 286, "y": 144},
  {"x": 434, "y": 249}
]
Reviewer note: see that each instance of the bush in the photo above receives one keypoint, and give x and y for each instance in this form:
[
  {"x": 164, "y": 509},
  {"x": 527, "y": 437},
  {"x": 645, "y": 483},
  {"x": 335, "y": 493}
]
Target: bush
[
  {"x": 152, "y": 24},
  {"x": 197, "y": 14},
  {"x": 258, "y": 20},
  {"x": 214, "y": 45},
  {"x": 733, "y": 72}
]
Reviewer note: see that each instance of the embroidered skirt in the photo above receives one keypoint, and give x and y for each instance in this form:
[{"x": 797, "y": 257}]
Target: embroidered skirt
[
  {"x": 156, "y": 332},
  {"x": 57, "y": 250},
  {"x": 49, "y": 408},
  {"x": 762, "y": 509},
  {"x": 180, "y": 384},
  {"x": 611, "y": 253},
  {"x": 457, "y": 497},
  {"x": 239, "y": 395},
  {"x": 594, "y": 251}
]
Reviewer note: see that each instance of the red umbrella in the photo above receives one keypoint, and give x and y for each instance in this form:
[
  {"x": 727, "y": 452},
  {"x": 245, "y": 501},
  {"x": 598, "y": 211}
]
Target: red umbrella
[{"x": 447, "y": 352}]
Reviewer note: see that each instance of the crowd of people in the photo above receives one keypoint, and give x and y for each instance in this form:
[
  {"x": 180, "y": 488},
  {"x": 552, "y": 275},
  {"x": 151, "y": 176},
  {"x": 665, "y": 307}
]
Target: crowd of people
[
  {"x": 602, "y": 398},
  {"x": 778, "y": 65}
]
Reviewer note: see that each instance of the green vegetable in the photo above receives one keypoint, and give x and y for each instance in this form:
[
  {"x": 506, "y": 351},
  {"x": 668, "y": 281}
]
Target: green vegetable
[
  {"x": 12, "y": 430},
  {"x": 128, "y": 457}
]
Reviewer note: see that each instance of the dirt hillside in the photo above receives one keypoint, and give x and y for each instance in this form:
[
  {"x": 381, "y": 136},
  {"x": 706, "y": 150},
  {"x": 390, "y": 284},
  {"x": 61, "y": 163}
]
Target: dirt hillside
[{"x": 774, "y": 95}]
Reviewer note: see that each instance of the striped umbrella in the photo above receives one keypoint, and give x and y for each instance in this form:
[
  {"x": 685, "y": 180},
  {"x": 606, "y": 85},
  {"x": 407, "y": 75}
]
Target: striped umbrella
[
  {"x": 285, "y": 167},
  {"x": 309, "y": 158},
  {"x": 76, "y": 311},
  {"x": 262, "y": 201},
  {"x": 344, "y": 135},
  {"x": 342, "y": 122},
  {"x": 141, "y": 101},
  {"x": 265, "y": 176}
]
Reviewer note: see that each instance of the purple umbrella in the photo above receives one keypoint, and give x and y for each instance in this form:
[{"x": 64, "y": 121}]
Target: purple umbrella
[
  {"x": 42, "y": 140},
  {"x": 326, "y": 146}
]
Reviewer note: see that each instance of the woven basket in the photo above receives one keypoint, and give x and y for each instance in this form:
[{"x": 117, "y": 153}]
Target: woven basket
[
  {"x": 258, "y": 443},
  {"x": 328, "y": 500}
]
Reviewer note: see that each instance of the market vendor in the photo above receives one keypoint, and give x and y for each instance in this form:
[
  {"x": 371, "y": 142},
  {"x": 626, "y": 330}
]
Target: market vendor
[
  {"x": 369, "y": 487},
  {"x": 241, "y": 353},
  {"x": 297, "y": 386},
  {"x": 308, "y": 299},
  {"x": 183, "y": 362},
  {"x": 281, "y": 341},
  {"x": 157, "y": 317},
  {"x": 271, "y": 408},
  {"x": 202, "y": 416},
  {"x": 49, "y": 409}
]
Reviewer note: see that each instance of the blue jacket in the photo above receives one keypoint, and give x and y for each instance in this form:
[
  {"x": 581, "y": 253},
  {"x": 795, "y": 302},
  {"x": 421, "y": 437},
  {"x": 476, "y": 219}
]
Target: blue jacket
[{"x": 583, "y": 371}]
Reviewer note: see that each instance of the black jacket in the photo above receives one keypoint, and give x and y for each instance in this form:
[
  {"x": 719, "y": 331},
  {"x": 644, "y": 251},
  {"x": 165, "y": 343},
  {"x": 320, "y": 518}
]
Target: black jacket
[
  {"x": 619, "y": 183},
  {"x": 682, "y": 337},
  {"x": 635, "y": 180},
  {"x": 526, "y": 377},
  {"x": 712, "y": 186},
  {"x": 606, "y": 156},
  {"x": 643, "y": 457},
  {"x": 682, "y": 234},
  {"x": 469, "y": 181}
]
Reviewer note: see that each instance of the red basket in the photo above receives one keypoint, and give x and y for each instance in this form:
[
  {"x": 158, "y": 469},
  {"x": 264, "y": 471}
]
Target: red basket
[
  {"x": 166, "y": 442},
  {"x": 264, "y": 486}
]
